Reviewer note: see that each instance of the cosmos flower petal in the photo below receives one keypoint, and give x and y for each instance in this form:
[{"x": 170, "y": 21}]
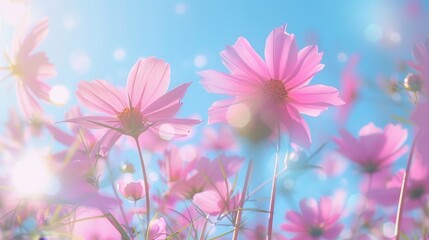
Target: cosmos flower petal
[
  {"x": 34, "y": 38},
  {"x": 147, "y": 81},
  {"x": 27, "y": 102},
  {"x": 241, "y": 59},
  {"x": 222, "y": 83},
  {"x": 308, "y": 64},
  {"x": 176, "y": 126},
  {"x": 95, "y": 122},
  {"x": 172, "y": 97},
  {"x": 217, "y": 111},
  {"x": 314, "y": 99},
  {"x": 101, "y": 96},
  {"x": 296, "y": 126},
  {"x": 280, "y": 53}
]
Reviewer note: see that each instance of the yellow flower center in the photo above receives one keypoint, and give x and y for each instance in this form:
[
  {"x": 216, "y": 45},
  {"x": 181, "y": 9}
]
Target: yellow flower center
[
  {"x": 131, "y": 121},
  {"x": 275, "y": 91}
]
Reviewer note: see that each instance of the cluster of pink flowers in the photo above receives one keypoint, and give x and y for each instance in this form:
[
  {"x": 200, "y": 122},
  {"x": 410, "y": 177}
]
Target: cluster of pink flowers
[{"x": 201, "y": 189}]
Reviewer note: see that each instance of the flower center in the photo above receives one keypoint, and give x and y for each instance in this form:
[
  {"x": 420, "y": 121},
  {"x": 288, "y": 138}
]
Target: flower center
[
  {"x": 316, "y": 231},
  {"x": 370, "y": 168},
  {"x": 417, "y": 192},
  {"x": 275, "y": 91},
  {"x": 131, "y": 121}
]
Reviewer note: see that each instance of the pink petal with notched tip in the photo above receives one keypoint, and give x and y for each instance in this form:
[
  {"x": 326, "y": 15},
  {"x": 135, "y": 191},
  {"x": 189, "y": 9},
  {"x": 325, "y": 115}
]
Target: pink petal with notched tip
[
  {"x": 296, "y": 126},
  {"x": 309, "y": 211},
  {"x": 349, "y": 147},
  {"x": 314, "y": 99},
  {"x": 101, "y": 96},
  {"x": 297, "y": 224},
  {"x": 241, "y": 59},
  {"x": 27, "y": 102},
  {"x": 147, "y": 81},
  {"x": 280, "y": 53},
  {"x": 229, "y": 84},
  {"x": 308, "y": 64},
  {"x": 217, "y": 111},
  {"x": 174, "y": 126},
  {"x": 167, "y": 105},
  {"x": 33, "y": 39}
]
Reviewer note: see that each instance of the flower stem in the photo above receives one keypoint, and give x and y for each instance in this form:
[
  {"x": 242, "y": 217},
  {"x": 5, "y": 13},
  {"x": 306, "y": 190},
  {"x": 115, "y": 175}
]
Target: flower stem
[
  {"x": 146, "y": 184},
  {"x": 404, "y": 189},
  {"x": 115, "y": 192},
  {"x": 242, "y": 200},
  {"x": 273, "y": 196}
]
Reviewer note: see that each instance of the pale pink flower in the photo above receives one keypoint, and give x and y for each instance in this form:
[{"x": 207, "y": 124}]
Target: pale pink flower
[
  {"x": 222, "y": 139},
  {"x": 332, "y": 165},
  {"x": 421, "y": 53},
  {"x": 144, "y": 106},
  {"x": 218, "y": 199},
  {"x": 174, "y": 166},
  {"x": 132, "y": 190},
  {"x": 316, "y": 220},
  {"x": 417, "y": 192},
  {"x": 93, "y": 225},
  {"x": 206, "y": 173},
  {"x": 376, "y": 149},
  {"x": 272, "y": 89},
  {"x": 30, "y": 69},
  {"x": 350, "y": 83},
  {"x": 157, "y": 229}
]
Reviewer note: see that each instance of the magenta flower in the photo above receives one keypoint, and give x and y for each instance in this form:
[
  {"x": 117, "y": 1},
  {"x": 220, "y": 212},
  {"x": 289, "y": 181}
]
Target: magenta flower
[
  {"x": 375, "y": 149},
  {"x": 316, "y": 220},
  {"x": 144, "y": 106},
  {"x": 272, "y": 89},
  {"x": 30, "y": 69}
]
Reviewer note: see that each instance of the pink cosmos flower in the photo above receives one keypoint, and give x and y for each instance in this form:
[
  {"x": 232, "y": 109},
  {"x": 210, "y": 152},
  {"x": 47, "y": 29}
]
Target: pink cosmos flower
[
  {"x": 219, "y": 140},
  {"x": 158, "y": 229},
  {"x": 421, "y": 53},
  {"x": 174, "y": 166},
  {"x": 30, "y": 69},
  {"x": 144, "y": 106},
  {"x": 132, "y": 190},
  {"x": 350, "y": 83},
  {"x": 316, "y": 220},
  {"x": 218, "y": 200},
  {"x": 205, "y": 175},
  {"x": 375, "y": 149},
  {"x": 274, "y": 89},
  {"x": 417, "y": 192}
]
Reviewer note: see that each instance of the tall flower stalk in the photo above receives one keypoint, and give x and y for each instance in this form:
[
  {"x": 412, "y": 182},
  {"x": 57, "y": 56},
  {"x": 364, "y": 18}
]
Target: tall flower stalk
[{"x": 404, "y": 190}]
